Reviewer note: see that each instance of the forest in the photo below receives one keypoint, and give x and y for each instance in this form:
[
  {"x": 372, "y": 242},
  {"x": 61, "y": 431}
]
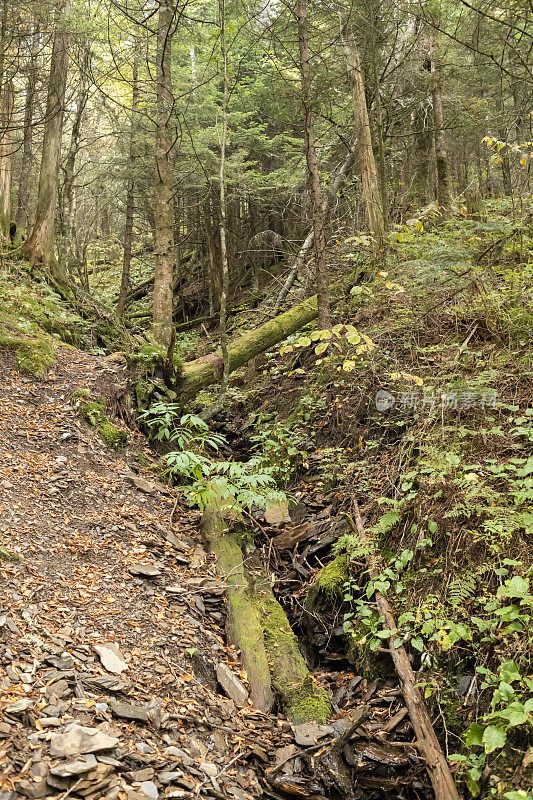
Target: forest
[{"x": 266, "y": 399}]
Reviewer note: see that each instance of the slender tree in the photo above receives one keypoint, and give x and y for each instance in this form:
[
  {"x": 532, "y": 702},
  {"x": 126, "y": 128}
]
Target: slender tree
[
  {"x": 27, "y": 135},
  {"x": 313, "y": 175},
  {"x": 222, "y": 196},
  {"x": 39, "y": 248},
  {"x": 164, "y": 181}
]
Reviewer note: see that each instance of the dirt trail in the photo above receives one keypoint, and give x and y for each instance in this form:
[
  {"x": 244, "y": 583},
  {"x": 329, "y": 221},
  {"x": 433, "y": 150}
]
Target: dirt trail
[{"x": 71, "y": 509}]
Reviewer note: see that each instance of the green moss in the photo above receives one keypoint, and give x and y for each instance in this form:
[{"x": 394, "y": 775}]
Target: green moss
[
  {"x": 309, "y": 704},
  {"x": 33, "y": 355},
  {"x": 333, "y": 576},
  {"x": 8, "y": 555},
  {"x": 112, "y": 435},
  {"x": 93, "y": 411},
  {"x": 143, "y": 461}
]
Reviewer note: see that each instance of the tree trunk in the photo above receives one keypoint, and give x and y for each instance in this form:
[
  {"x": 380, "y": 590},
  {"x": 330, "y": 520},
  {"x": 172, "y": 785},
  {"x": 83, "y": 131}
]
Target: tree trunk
[
  {"x": 27, "y": 138},
  {"x": 67, "y": 206},
  {"x": 259, "y": 627},
  {"x": 130, "y": 197},
  {"x": 207, "y": 370},
  {"x": 222, "y": 200},
  {"x": 444, "y": 201},
  {"x": 164, "y": 181},
  {"x": 367, "y": 163},
  {"x": 6, "y": 150},
  {"x": 313, "y": 175},
  {"x": 39, "y": 248},
  {"x": 437, "y": 766}
]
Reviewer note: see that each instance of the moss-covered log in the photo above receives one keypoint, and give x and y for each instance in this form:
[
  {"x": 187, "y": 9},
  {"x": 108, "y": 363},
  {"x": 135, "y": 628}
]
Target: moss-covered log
[
  {"x": 204, "y": 371},
  {"x": 259, "y": 627}
]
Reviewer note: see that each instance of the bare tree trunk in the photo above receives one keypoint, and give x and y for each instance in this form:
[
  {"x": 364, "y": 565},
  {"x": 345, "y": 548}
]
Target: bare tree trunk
[
  {"x": 369, "y": 174},
  {"x": 67, "y": 206},
  {"x": 322, "y": 283},
  {"x": 27, "y": 138},
  {"x": 130, "y": 198},
  {"x": 222, "y": 200},
  {"x": 444, "y": 201},
  {"x": 39, "y": 248},
  {"x": 6, "y": 149},
  {"x": 164, "y": 182}
]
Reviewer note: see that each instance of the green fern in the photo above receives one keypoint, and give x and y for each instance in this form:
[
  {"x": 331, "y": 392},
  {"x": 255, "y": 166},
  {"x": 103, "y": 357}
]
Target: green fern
[{"x": 460, "y": 590}]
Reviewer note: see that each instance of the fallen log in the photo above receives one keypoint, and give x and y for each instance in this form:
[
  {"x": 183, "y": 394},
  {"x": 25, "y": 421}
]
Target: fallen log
[
  {"x": 428, "y": 744},
  {"x": 206, "y": 370},
  {"x": 259, "y": 627}
]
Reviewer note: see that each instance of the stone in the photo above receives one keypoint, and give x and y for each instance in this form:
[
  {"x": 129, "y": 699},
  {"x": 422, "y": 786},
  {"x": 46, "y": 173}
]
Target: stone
[
  {"x": 58, "y": 688},
  {"x": 149, "y": 789},
  {"x": 148, "y": 487},
  {"x": 105, "y": 682},
  {"x": 128, "y": 711},
  {"x": 209, "y": 768},
  {"x": 144, "y": 570},
  {"x": 309, "y": 733},
  {"x": 33, "y": 790},
  {"x": 141, "y": 774},
  {"x": 181, "y": 755},
  {"x": 111, "y": 657},
  {"x": 231, "y": 684},
  {"x": 19, "y": 707},
  {"x": 142, "y": 747},
  {"x": 85, "y": 764},
  {"x": 78, "y": 739},
  {"x": 50, "y": 722},
  {"x": 276, "y": 514},
  {"x": 169, "y": 777}
]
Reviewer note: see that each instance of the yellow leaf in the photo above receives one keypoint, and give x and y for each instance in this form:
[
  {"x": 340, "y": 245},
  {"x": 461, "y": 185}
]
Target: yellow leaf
[
  {"x": 325, "y": 334},
  {"x": 348, "y": 366},
  {"x": 523, "y": 161},
  {"x": 337, "y": 328},
  {"x": 383, "y": 274},
  {"x": 321, "y": 348},
  {"x": 304, "y": 341}
]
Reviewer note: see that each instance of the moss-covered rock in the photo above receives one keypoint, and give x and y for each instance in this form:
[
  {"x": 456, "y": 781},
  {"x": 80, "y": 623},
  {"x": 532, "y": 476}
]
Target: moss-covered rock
[
  {"x": 112, "y": 436},
  {"x": 35, "y": 356},
  {"x": 333, "y": 576},
  {"x": 9, "y": 555},
  {"x": 93, "y": 412}
]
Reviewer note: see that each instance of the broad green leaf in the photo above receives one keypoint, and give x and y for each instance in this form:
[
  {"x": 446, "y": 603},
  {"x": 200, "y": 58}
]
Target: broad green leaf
[
  {"x": 493, "y": 738},
  {"x": 474, "y": 735}
]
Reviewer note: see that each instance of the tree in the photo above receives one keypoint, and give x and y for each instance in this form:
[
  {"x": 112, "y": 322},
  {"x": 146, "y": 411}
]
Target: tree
[
  {"x": 164, "y": 180},
  {"x": 313, "y": 175},
  {"x": 39, "y": 248}
]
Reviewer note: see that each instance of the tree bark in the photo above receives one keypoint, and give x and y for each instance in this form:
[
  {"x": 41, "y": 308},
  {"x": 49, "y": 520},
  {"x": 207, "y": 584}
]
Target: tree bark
[
  {"x": 164, "y": 181},
  {"x": 367, "y": 162},
  {"x": 259, "y": 627},
  {"x": 207, "y": 370},
  {"x": 39, "y": 248},
  {"x": 313, "y": 175},
  {"x": 27, "y": 138},
  {"x": 437, "y": 766},
  {"x": 130, "y": 197},
  {"x": 6, "y": 149},
  {"x": 444, "y": 201},
  {"x": 222, "y": 199}
]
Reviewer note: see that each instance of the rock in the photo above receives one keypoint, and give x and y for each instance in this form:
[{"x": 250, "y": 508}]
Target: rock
[
  {"x": 58, "y": 688},
  {"x": 142, "y": 747},
  {"x": 309, "y": 733},
  {"x": 138, "y": 775},
  {"x": 149, "y": 789},
  {"x": 111, "y": 657},
  {"x": 19, "y": 707},
  {"x": 85, "y": 764},
  {"x": 127, "y": 711},
  {"x": 174, "y": 541},
  {"x": 33, "y": 790},
  {"x": 169, "y": 777},
  {"x": 276, "y": 514},
  {"x": 105, "y": 682},
  {"x": 148, "y": 487},
  {"x": 209, "y": 768},
  {"x": 231, "y": 684},
  {"x": 78, "y": 739},
  {"x": 145, "y": 570},
  {"x": 50, "y": 722},
  {"x": 463, "y": 685},
  {"x": 181, "y": 755}
]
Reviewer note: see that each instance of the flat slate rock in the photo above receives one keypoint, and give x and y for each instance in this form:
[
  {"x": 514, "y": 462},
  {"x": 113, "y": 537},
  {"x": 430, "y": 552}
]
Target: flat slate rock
[
  {"x": 128, "y": 711},
  {"x": 67, "y": 770},
  {"x": 144, "y": 570},
  {"x": 111, "y": 657},
  {"x": 231, "y": 684},
  {"x": 309, "y": 733},
  {"x": 77, "y": 740}
]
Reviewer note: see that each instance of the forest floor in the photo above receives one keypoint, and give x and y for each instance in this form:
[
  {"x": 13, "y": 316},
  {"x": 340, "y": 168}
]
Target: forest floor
[{"x": 112, "y": 626}]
